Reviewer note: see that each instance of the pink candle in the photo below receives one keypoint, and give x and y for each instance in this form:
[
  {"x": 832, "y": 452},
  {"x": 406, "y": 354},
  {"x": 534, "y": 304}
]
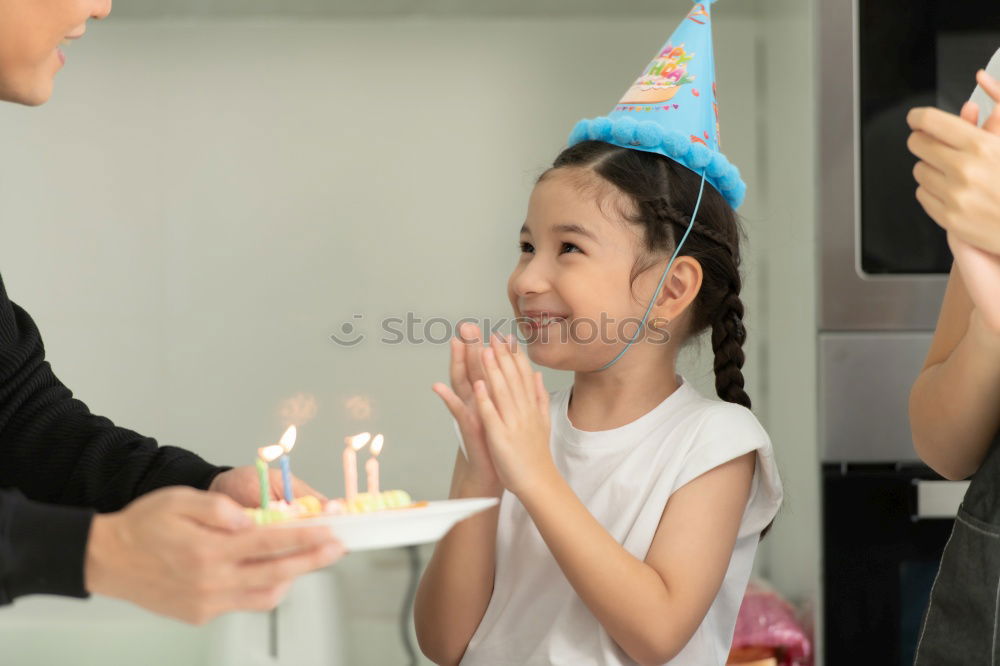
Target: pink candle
[
  {"x": 371, "y": 466},
  {"x": 351, "y": 463}
]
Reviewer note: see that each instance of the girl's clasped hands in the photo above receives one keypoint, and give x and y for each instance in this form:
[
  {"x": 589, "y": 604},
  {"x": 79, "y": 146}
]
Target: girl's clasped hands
[{"x": 502, "y": 410}]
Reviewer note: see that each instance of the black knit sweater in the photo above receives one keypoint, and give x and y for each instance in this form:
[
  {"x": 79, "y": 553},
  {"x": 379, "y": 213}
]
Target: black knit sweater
[{"x": 59, "y": 464}]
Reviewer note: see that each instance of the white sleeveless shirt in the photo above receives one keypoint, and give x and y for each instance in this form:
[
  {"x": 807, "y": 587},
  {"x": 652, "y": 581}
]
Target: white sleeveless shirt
[{"x": 624, "y": 476}]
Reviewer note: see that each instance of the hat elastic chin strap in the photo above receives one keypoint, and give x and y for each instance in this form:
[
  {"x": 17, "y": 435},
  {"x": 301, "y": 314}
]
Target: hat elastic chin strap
[{"x": 663, "y": 279}]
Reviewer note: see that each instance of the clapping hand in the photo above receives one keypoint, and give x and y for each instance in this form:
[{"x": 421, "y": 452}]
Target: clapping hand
[
  {"x": 514, "y": 408},
  {"x": 958, "y": 176},
  {"x": 466, "y": 370}
]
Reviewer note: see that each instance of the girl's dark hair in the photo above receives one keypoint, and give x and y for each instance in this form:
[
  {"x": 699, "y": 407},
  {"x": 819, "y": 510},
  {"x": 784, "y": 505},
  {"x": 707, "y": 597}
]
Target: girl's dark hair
[{"x": 661, "y": 195}]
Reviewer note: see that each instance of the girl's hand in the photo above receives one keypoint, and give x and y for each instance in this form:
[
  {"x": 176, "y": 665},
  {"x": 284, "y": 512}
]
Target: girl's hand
[
  {"x": 959, "y": 169},
  {"x": 466, "y": 369},
  {"x": 516, "y": 418}
]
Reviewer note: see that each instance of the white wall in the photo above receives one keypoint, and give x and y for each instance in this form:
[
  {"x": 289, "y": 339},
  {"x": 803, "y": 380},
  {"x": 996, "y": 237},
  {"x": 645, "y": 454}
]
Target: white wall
[
  {"x": 203, "y": 203},
  {"x": 788, "y": 270}
]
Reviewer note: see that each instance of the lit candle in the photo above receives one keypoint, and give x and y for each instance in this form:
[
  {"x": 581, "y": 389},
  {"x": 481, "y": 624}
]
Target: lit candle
[
  {"x": 371, "y": 466},
  {"x": 286, "y": 443},
  {"x": 266, "y": 454},
  {"x": 354, "y": 444}
]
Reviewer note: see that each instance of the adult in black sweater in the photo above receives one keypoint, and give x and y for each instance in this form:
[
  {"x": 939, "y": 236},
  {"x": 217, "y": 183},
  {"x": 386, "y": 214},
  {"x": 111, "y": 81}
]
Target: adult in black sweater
[{"x": 88, "y": 507}]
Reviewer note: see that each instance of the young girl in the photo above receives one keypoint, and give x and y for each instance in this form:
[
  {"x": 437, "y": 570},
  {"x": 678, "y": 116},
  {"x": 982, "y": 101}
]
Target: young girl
[{"x": 631, "y": 506}]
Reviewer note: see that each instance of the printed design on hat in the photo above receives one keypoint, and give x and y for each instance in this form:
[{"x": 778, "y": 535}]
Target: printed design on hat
[
  {"x": 696, "y": 11},
  {"x": 664, "y": 76},
  {"x": 715, "y": 109}
]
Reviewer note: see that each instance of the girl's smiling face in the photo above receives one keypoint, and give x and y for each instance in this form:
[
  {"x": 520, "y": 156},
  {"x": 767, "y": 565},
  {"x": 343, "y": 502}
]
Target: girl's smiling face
[
  {"x": 572, "y": 289},
  {"x": 30, "y": 34}
]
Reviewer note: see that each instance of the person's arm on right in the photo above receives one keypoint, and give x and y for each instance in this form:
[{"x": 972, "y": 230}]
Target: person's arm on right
[
  {"x": 457, "y": 584},
  {"x": 955, "y": 402}
]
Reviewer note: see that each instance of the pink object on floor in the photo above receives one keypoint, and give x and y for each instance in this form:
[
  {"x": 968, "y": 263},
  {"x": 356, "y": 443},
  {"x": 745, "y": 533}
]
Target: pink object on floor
[{"x": 766, "y": 620}]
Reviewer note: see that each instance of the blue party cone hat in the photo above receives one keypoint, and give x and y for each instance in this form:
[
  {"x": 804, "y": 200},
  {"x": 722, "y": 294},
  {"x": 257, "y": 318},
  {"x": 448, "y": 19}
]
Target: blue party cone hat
[{"x": 671, "y": 109}]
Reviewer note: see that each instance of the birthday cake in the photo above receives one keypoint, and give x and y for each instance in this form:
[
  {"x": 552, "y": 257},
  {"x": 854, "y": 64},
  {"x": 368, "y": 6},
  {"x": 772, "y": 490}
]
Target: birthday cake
[
  {"x": 310, "y": 507},
  {"x": 666, "y": 74},
  {"x": 299, "y": 508}
]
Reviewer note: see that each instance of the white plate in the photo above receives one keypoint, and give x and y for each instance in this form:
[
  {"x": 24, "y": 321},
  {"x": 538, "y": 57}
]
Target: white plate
[{"x": 398, "y": 527}]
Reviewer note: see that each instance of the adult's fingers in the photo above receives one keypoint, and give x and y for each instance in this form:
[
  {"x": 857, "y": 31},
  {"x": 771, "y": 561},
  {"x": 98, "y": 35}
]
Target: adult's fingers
[
  {"x": 933, "y": 206},
  {"x": 970, "y": 113},
  {"x": 943, "y": 126},
  {"x": 270, "y": 573},
  {"x": 931, "y": 179},
  {"x": 301, "y": 488},
  {"x": 213, "y": 510},
  {"x": 268, "y": 542},
  {"x": 992, "y": 88},
  {"x": 263, "y": 599},
  {"x": 931, "y": 150},
  {"x": 989, "y": 84}
]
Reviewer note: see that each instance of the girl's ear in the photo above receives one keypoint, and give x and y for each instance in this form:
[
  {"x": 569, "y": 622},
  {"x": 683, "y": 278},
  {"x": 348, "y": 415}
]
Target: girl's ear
[{"x": 680, "y": 288}]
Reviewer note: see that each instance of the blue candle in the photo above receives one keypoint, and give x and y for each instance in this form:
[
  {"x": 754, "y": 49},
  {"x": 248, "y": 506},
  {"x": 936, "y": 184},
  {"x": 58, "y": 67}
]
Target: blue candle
[
  {"x": 286, "y": 478},
  {"x": 286, "y": 442}
]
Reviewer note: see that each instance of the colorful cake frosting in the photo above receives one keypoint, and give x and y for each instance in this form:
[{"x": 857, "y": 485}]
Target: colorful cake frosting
[{"x": 310, "y": 507}]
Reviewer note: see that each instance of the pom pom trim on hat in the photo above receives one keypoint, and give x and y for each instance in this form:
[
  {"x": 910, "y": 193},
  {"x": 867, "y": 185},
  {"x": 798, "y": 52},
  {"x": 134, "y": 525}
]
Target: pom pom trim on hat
[{"x": 626, "y": 132}]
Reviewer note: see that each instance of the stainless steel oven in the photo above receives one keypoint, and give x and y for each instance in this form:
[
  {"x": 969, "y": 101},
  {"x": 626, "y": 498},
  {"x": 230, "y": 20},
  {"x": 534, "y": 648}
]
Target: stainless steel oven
[{"x": 883, "y": 271}]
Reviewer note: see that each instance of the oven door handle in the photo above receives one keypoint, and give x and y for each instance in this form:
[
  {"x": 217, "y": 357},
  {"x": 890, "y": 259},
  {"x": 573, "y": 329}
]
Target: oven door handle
[{"x": 938, "y": 499}]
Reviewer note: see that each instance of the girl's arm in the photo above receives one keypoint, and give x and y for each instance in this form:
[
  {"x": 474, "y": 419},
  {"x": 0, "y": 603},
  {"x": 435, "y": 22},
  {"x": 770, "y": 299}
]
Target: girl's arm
[
  {"x": 457, "y": 585},
  {"x": 458, "y": 582},
  {"x": 652, "y": 607},
  {"x": 954, "y": 402}
]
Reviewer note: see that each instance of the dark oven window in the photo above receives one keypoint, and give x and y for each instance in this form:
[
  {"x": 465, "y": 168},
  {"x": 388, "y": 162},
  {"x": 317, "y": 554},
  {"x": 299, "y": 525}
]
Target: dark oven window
[{"x": 911, "y": 53}]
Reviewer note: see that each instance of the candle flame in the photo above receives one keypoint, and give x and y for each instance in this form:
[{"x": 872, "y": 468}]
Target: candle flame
[
  {"x": 287, "y": 440},
  {"x": 377, "y": 444},
  {"x": 357, "y": 442},
  {"x": 270, "y": 453}
]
